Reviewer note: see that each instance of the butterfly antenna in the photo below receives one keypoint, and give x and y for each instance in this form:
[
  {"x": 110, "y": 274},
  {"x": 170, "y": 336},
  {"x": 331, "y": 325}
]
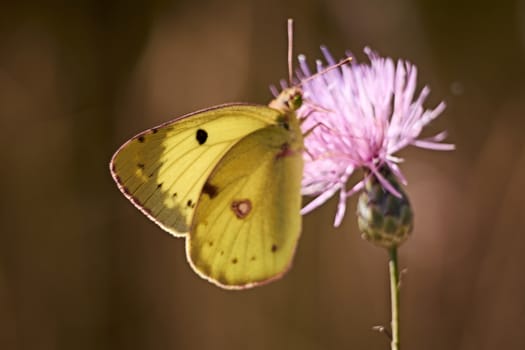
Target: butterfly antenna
[
  {"x": 327, "y": 69},
  {"x": 290, "y": 49}
]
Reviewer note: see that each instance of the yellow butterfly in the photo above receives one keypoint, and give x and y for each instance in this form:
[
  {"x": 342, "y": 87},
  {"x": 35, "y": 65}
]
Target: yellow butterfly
[{"x": 227, "y": 178}]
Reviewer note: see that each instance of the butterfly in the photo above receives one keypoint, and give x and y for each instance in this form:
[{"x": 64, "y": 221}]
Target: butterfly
[{"x": 228, "y": 179}]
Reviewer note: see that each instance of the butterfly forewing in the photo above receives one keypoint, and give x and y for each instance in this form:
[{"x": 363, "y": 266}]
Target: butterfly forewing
[
  {"x": 247, "y": 220},
  {"x": 163, "y": 170}
]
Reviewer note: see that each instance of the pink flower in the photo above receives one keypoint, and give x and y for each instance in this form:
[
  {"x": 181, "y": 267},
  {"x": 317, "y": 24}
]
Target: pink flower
[{"x": 359, "y": 116}]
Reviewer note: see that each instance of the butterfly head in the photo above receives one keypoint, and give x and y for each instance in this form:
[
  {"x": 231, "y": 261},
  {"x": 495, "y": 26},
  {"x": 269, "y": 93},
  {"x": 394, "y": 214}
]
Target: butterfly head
[{"x": 289, "y": 100}]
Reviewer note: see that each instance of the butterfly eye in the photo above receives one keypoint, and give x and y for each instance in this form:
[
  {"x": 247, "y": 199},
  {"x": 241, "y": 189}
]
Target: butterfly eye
[{"x": 296, "y": 100}]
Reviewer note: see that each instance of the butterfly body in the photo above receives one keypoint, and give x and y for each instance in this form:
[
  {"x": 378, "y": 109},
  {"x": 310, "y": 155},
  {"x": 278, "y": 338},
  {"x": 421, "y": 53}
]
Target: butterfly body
[{"x": 228, "y": 179}]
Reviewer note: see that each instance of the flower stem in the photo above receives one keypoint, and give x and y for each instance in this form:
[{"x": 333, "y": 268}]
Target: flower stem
[{"x": 394, "y": 297}]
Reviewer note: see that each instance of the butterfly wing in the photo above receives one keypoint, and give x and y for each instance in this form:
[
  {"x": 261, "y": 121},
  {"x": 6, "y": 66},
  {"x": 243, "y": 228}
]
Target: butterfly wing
[
  {"x": 163, "y": 170},
  {"x": 247, "y": 220}
]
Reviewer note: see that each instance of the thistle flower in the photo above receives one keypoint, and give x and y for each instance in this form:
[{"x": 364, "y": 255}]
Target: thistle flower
[{"x": 357, "y": 116}]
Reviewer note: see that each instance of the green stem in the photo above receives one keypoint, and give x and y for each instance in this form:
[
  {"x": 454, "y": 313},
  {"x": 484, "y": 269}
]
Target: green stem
[{"x": 394, "y": 297}]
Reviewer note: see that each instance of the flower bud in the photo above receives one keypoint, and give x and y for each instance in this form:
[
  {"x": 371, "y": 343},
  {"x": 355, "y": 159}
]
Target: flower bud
[{"x": 384, "y": 218}]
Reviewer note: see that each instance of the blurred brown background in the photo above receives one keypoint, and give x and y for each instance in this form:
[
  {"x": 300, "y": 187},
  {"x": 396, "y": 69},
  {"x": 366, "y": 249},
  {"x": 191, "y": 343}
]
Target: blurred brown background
[{"x": 80, "y": 268}]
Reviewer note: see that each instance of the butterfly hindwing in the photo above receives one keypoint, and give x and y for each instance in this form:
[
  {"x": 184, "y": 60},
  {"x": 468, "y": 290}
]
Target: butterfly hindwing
[
  {"x": 163, "y": 170},
  {"x": 247, "y": 220}
]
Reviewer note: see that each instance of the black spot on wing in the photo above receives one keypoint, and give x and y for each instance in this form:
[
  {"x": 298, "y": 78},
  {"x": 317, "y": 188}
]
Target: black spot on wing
[
  {"x": 234, "y": 261},
  {"x": 159, "y": 185},
  {"x": 201, "y": 136},
  {"x": 140, "y": 165},
  {"x": 154, "y": 130},
  {"x": 140, "y": 138},
  {"x": 274, "y": 248},
  {"x": 210, "y": 190}
]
